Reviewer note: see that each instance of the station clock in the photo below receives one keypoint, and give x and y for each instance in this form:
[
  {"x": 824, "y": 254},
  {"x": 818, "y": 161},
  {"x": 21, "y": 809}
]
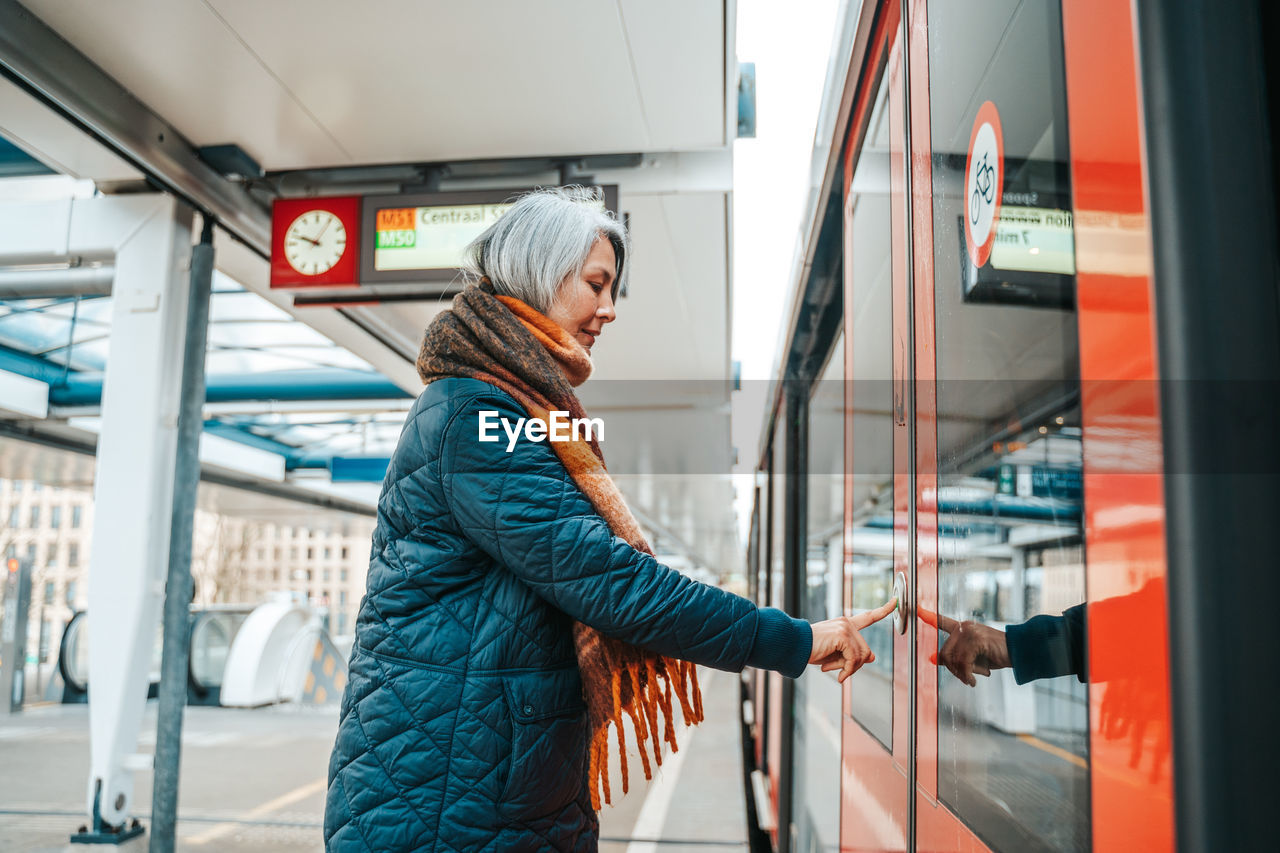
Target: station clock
[{"x": 315, "y": 242}]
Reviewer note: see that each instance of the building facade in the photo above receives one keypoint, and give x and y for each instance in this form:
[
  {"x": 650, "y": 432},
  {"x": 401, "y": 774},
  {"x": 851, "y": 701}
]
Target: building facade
[{"x": 233, "y": 560}]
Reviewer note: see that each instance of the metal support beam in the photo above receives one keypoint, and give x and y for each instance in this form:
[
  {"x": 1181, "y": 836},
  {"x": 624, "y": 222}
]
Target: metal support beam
[
  {"x": 47, "y": 65},
  {"x": 428, "y": 177},
  {"x": 40, "y": 432},
  {"x": 56, "y": 283},
  {"x": 81, "y": 394},
  {"x": 179, "y": 588},
  {"x": 53, "y": 71},
  {"x": 133, "y": 484}
]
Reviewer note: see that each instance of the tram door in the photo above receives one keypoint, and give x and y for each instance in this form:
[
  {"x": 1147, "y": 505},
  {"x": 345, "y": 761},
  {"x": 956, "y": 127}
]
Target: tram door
[
  {"x": 877, "y": 761},
  {"x": 1002, "y": 441}
]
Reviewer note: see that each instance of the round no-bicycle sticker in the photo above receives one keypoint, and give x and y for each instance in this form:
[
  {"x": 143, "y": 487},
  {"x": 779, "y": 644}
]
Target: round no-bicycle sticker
[{"x": 983, "y": 183}]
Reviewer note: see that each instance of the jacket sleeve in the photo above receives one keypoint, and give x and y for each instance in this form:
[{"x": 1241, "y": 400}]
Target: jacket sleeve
[
  {"x": 1048, "y": 646},
  {"x": 524, "y": 510}
]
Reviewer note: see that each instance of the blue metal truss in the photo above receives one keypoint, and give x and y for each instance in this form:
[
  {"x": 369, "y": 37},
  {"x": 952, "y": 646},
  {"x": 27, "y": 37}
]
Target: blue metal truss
[{"x": 75, "y": 388}]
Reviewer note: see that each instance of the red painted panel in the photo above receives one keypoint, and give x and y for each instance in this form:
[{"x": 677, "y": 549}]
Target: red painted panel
[
  {"x": 873, "y": 790},
  {"x": 937, "y": 827},
  {"x": 874, "y": 785},
  {"x": 926, "y": 402},
  {"x": 903, "y": 667},
  {"x": 758, "y": 701},
  {"x": 773, "y": 742},
  {"x": 1130, "y": 750},
  {"x": 938, "y": 830},
  {"x": 889, "y": 16}
]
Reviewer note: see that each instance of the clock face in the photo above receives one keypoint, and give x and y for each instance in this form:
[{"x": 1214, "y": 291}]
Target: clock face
[{"x": 314, "y": 242}]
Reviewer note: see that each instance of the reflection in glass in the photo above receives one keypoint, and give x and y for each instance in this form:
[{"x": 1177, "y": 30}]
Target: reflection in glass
[
  {"x": 825, "y": 493},
  {"x": 777, "y": 511},
  {"x": 778, "y": 474},
  {"x": 1013, "y": 759},
  {"x": 818, "y": 697},
  {"x": 868, "y": 271}
]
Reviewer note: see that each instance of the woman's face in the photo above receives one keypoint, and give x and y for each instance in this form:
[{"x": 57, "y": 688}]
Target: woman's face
[{"x": 585, "y": 303}]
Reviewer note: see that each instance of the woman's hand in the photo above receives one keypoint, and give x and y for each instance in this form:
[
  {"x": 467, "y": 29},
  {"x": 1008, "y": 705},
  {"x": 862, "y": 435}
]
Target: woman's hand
[
  {"x": 838, "y": 645},
  {"x": 971, "y": 648}
]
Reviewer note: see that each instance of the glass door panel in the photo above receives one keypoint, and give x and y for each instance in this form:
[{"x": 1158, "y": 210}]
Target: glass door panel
[
  {"x": 1037, "y": 426},
  {"x": 1012, "y": 742},
  {"x": 777, "y": 598},
  {"x": 877, "y": 721},
  {"x": 815, "y": 812}
]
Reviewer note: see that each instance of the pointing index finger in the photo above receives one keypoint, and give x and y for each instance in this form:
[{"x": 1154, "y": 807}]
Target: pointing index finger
[
  {"x": 871, "y": 617},
  {"x": 937, "y": 620}
]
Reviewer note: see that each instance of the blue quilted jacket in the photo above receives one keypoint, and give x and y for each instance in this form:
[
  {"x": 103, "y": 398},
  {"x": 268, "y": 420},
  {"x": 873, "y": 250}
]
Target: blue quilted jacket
[{"x": 463, "y": 725}]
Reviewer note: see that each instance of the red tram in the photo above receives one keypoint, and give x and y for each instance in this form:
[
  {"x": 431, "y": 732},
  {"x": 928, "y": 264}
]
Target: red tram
[{"x": 1031, "y": 373}]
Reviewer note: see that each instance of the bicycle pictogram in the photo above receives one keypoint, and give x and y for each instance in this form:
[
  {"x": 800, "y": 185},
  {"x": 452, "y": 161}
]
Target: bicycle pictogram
[
  {"x": 983, "y": 184},
  {"x": 984, "y": 190}
]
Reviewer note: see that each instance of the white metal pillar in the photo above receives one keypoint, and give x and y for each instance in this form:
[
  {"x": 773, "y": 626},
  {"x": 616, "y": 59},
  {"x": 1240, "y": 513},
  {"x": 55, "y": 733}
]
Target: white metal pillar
[
  {"x": 148, "y": 240},
  {"x": 133, "y": 487}
]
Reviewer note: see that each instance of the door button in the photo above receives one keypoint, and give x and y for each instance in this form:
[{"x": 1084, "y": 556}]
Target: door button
[{"x": 900, "y": 593}]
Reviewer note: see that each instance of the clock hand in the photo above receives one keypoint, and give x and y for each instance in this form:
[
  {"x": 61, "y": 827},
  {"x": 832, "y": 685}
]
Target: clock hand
[{"x": 322, "y": 230}]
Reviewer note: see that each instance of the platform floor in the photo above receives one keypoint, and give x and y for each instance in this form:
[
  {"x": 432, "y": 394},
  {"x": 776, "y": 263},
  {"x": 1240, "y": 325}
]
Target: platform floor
[{"x": 254, "y": 780}]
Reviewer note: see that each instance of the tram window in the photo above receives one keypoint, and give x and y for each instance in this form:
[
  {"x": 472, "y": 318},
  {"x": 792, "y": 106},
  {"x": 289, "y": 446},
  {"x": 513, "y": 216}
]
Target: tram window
[
  {"x": 772, "y": 706},
  {"x": 818, "y": 697},
  {"x": 778, "y": 486},
  {"x": 824, "y": 554},
  {"x": 1013, "y": 760},
  {"x": 869, "y": 361}
]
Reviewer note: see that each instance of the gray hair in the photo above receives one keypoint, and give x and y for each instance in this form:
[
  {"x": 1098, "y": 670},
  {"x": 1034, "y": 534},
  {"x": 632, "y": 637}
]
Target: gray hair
[{"x": 543, "y": 239}]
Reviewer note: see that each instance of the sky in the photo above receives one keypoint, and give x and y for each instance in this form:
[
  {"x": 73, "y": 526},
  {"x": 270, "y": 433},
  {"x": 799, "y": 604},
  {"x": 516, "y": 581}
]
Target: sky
[{"x": 790, "y": 44}]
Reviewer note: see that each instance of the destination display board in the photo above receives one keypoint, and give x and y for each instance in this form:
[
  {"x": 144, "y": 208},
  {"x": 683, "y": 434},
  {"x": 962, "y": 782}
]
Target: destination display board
[
  {"x": 421, "y": 237},
  {"x": 1034, "y": 239},
  {"x": 1032, "y": 259}
]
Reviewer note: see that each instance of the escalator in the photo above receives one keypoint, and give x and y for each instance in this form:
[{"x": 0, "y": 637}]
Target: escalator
[{"x": 213, "y": 630}]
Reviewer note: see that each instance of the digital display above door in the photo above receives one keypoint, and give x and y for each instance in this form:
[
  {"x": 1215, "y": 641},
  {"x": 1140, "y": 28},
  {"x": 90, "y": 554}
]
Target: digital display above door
[
  {"x": 1033, "y": 256},
  {"x": 1034, "y": 239},
  {"x": 429, "y": 238},
  {"x": 421, "y": 238}
]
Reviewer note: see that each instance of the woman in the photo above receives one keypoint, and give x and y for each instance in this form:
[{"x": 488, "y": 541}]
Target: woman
[{"x": 514, "y": 613}]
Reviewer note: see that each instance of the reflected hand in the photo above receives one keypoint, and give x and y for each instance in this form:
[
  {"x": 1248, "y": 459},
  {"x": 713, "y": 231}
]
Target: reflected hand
[
  {"x": 838, "y": 645},
  {"x": 971, "y": 647}
]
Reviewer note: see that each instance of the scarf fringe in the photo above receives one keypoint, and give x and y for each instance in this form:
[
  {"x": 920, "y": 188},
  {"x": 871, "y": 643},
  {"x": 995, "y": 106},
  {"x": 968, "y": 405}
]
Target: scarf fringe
[
  {"x": 642, "y": 706},
  {"x": 651, "y": 710}
]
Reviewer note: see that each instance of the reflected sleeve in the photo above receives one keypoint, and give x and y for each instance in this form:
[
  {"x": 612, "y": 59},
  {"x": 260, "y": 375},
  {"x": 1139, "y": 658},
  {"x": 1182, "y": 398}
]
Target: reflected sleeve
[{"x": 1048, "y": 646}]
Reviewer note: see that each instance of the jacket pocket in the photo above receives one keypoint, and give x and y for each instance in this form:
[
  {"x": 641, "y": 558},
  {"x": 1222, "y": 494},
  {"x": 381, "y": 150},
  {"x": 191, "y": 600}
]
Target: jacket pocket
[{"x": 548, "y": 743}]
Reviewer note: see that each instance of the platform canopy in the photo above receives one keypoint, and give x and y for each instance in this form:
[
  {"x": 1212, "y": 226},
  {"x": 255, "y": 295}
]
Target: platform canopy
[{"x": 335, "y": 97}]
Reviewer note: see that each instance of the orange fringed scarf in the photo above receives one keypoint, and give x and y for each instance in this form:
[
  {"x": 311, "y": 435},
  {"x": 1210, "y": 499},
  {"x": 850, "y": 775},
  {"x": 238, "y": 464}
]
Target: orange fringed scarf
[{"x": 502, "y": 341}]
